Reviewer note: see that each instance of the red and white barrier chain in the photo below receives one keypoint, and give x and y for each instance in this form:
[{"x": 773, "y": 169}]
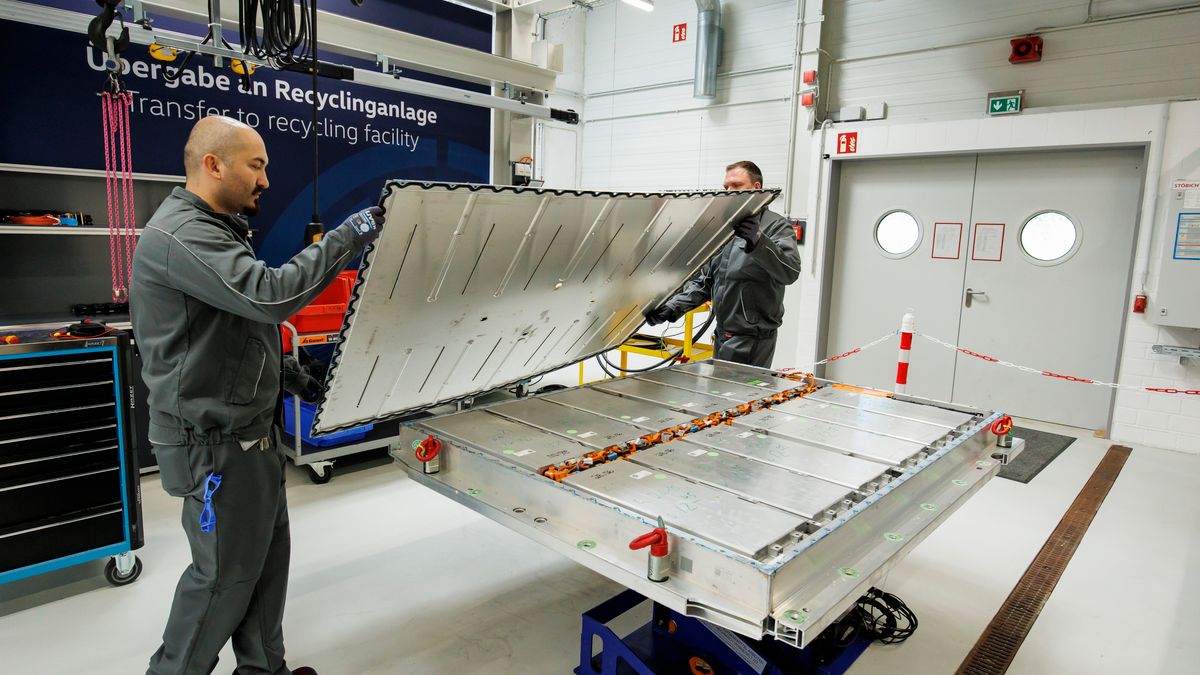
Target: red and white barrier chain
[
  {"x": 852, "y": 352},
  {"x": 1058, "y": 376}
]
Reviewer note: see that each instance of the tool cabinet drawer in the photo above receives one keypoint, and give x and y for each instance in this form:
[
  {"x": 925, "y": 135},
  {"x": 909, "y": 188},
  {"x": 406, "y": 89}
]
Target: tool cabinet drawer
[
  {"x": 47, "y": 497},
  {"x": 58, "y": 461},
  {"x": 44, "y": 442},
  {"x": 40, "y": 541}
]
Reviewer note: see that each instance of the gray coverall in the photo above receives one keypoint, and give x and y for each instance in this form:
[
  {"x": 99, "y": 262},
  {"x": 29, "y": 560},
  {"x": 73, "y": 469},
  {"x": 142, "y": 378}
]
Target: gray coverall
[
  {"x": 205, "y": 314},
  {"x": 747, "y": 292}
]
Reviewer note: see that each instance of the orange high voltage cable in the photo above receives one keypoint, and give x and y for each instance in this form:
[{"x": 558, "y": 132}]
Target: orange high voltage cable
[{"x": 560, "y": 471}]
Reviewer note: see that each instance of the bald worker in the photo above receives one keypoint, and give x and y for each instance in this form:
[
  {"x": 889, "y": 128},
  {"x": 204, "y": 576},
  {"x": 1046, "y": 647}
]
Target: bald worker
[{"x": 206, "y": 316}]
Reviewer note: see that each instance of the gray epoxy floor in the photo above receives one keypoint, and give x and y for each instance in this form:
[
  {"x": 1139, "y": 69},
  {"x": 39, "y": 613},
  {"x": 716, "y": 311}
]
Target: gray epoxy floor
[{"x": 388, "y": 577}]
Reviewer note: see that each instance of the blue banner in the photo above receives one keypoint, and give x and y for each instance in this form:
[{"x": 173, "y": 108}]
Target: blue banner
[{"x": 367, "y": 135}]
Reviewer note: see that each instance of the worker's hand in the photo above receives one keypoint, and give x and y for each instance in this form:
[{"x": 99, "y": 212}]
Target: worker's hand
[
  {"x": 366, "y": 224},
  {"x": 657, "y": 316},
  {"x": 747, "y": 228},
  {"x": 312, "y": 389}
]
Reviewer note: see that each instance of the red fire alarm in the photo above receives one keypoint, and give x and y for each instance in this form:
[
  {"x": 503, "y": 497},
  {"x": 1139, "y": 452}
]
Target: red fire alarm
[
  {"x": 798, "y": 228},
  {"x": 1139, "y": 303},
  {"x": 809, "y": 76},
  {"x": 1026, "y": 49},
  {"x": 807, "y": 99}
]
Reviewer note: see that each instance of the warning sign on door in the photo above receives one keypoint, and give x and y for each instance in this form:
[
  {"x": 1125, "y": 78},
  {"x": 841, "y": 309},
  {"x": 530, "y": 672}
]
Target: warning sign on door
[
  {"x": 988, "y": 242},
  {"x": 947, "y": 240}
]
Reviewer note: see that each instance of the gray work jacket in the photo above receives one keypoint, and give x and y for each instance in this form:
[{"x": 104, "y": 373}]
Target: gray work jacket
[
  {"x": 746, "y": 287},
  {"x": 206, "y": 316}
]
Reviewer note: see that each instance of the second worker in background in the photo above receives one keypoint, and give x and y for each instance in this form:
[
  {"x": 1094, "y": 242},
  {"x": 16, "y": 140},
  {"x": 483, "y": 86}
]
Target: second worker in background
[{"x": 745, "y": 281}]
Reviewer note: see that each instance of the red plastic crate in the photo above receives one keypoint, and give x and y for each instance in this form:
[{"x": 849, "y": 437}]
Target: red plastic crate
[{"x": 324, "y": 314}]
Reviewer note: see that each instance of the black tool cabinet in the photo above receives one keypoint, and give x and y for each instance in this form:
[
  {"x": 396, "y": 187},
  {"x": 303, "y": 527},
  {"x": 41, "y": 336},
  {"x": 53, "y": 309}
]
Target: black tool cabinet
[{"x": 69, "y": 487}]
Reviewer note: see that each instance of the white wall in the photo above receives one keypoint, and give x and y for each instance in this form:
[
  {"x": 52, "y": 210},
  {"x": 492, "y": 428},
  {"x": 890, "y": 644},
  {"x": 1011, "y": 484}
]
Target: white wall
[
  {"x": 642, "y": 135},
  {"x": 1162, "y": 420},
  {"x": 940, "y": 59}
]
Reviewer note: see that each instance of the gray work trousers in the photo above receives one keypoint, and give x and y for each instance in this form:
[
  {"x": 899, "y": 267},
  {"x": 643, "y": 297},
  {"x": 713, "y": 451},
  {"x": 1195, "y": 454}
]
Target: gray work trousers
[
  {"x": 747, "y": 349},
  {"x": 237, "y": 582}
]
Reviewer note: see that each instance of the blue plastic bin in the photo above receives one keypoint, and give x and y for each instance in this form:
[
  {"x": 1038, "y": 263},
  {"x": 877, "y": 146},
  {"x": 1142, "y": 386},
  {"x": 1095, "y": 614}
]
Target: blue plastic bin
[{"x": 307, "y": 410}]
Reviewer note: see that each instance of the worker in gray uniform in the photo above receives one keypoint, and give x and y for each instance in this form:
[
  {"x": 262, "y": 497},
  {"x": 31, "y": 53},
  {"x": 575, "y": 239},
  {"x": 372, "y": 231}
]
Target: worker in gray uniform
[
  {"x": 745, "y": 281},
  {"x": 206, "y": 316}
]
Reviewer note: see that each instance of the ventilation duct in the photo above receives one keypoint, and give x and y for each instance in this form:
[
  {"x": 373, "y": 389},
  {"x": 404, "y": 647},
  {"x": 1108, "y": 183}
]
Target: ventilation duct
[{"x": 708, "y": 48}]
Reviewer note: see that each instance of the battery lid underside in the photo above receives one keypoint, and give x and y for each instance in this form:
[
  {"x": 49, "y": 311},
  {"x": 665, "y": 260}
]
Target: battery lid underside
[{"x": 473, "y": 288}]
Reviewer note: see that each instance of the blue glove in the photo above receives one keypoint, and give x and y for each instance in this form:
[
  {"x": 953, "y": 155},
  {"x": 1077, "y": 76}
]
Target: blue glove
[{"x": 366, "y": 224}]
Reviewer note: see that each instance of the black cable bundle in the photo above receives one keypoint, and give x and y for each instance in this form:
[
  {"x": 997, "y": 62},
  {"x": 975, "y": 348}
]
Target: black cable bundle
[
  {"x": 605, "y": 364},
  {"x": 885, "y": 618},
  {"x": 285, "y": 40}
]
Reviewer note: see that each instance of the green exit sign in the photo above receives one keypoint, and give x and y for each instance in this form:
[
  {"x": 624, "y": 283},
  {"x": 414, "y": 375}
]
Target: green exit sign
[{"x": 1004, "y": 103}]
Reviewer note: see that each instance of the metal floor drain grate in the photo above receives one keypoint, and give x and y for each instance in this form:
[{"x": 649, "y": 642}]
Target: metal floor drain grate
[{"x": 993, "y": 653}]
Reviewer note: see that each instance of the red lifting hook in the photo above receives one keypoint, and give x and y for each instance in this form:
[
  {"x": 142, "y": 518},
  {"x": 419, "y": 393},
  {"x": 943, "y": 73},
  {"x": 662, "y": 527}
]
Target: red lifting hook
[{"x": 428, "y": 449}]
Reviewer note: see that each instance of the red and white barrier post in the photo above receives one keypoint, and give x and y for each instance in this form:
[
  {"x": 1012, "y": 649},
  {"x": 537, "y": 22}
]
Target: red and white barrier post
[{"x": 907, "y": 326}]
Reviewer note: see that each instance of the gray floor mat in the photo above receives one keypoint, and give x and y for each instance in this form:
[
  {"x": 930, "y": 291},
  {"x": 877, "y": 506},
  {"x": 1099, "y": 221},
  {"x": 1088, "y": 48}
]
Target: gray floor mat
[{"x": 1041, "y": 447}]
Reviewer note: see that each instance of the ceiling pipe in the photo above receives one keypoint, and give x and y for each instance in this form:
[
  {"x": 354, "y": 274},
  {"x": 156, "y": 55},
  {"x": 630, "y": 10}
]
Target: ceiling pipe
[{"x": 708, "y": 49}]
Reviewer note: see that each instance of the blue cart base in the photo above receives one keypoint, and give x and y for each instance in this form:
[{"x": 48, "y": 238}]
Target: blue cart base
[{"x": 673, "y": 644}]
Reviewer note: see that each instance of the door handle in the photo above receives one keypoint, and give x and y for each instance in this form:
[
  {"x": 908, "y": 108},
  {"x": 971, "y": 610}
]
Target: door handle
[{"x": 971, "y": 293}]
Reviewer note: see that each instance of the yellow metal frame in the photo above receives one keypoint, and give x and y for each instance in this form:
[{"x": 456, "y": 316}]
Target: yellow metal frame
[{"x": 692, "y": 351}]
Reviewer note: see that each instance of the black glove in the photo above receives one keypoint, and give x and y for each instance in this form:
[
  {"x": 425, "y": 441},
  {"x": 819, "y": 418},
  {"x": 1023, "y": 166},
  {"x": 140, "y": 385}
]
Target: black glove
[
  {"x": 365, "y": 224},
  {"x": 313, "y": 389},
  {"x": 657, "y": 316},
  {"x": 747, "y": 229}
]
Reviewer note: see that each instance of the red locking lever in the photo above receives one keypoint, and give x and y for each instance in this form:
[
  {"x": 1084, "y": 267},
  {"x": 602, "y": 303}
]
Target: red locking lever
[
  {"x": 428, "y": 449},
  {"x": 658, "y": 565},
  {"x": 656, "y": 539}
]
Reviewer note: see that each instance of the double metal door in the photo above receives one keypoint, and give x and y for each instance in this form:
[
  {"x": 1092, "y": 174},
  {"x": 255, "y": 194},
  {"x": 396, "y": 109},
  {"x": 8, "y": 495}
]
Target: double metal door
[{"x": 1022, "y": 257}]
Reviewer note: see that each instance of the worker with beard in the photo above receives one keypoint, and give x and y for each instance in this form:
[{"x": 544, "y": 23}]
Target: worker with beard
[{"x": 206, "y": 316}]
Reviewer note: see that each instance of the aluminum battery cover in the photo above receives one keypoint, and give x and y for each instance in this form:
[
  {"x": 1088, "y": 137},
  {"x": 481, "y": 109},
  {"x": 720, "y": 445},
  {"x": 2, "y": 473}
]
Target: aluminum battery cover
[{"x": 471, "y": 288}]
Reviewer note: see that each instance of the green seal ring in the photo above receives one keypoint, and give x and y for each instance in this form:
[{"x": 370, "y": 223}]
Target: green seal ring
[
  {"x": 714, "y": 454},
  {"x": 625, "y": 417},
  {"x": 958, "y": 481},
  {"x": 982, "y": 464},
  {"x": 848, "y": 572},
  {"x": 508, "y": 452},
  {"x": 929, "y": 507},
  {"x": 416, "y": 444},
  {"x": 572, "y": 431},
  {"x": 473, "y": 492},
  {"x": 660, "y": 476},
  {"x": 585, "y": 544},
  {"x": 893, "y": 536},
  {"x": 795, "y": 617}
]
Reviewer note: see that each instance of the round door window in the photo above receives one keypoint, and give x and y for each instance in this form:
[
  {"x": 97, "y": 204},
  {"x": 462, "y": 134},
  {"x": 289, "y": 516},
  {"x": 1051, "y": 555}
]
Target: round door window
[
  {"x": 897, "y": 233},
  {"x": 1049, "y": 236}
]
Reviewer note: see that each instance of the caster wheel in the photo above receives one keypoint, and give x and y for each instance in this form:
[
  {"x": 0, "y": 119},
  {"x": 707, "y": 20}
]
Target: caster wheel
[
  {"x": 114, "y": 576},
  {"x": 321, "y": 475}
]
